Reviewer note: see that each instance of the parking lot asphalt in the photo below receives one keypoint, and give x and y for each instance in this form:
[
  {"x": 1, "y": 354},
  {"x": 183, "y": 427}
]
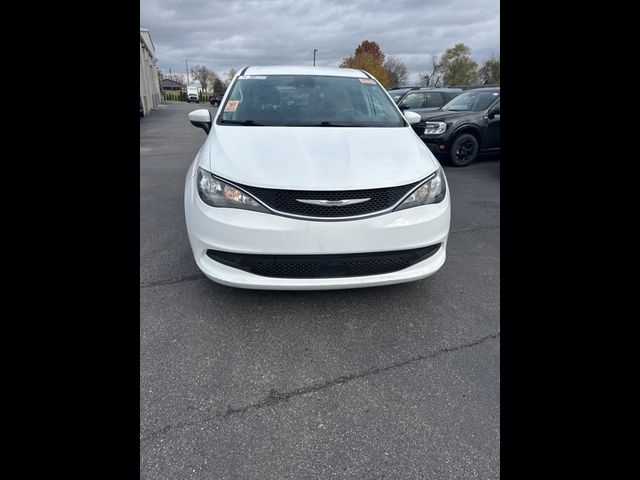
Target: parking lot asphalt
[{"x": 395, "y": 382}]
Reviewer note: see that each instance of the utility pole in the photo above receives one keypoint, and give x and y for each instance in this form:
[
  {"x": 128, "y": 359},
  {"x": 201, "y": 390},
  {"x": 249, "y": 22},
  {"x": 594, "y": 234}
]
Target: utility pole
[
  {"x": 187, "y": 66},
  {"x": 314, "y": 56}
]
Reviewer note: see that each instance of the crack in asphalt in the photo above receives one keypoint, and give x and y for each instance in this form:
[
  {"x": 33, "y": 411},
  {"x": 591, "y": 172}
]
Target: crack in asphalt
[
  {"x": 274, "y": 397},
  {"x": 170, "y": 281}
]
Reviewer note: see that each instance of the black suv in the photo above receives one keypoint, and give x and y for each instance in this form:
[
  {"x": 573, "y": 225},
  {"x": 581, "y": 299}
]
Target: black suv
[
  {"x": 427, "y": 99},
  {"x": 467, "y": 125},
  {"x": 397, "y": 93}
]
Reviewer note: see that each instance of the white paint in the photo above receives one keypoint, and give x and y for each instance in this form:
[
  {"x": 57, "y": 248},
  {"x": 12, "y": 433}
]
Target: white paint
[
  {"x": 312, "y": 158},
  {"x": 202, "y": 115},
  {"x": 412, "y": 117}
]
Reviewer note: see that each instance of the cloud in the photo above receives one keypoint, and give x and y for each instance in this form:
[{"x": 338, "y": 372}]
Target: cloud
[{"x": 223, "y": 34}]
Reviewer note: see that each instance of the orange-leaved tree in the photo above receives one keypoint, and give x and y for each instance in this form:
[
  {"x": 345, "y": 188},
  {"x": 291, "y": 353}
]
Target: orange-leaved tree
[{"x": 368, "y": 57}]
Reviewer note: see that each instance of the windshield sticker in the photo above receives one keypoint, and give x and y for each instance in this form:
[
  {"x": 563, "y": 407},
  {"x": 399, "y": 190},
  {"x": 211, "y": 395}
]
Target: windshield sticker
[
  {"x": 367, "y": 80},
  {"x": 252, "y": 77},
  {"x": 495, "y": 94},
  {"x": 232, "y": 106}
]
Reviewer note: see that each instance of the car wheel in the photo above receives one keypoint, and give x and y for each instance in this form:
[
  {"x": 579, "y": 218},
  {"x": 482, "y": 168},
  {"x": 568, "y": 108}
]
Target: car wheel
[
  {"x": 215, "y": 104},
  {"x": 464, "y": 150}
]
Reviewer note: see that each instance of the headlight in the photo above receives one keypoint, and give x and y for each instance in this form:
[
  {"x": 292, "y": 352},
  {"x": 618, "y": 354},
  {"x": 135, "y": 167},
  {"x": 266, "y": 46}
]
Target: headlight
[
  {"x": 217, "y": 193},
  {"x": 435, "y": 128},
  {"x": 430, "y": 191}
]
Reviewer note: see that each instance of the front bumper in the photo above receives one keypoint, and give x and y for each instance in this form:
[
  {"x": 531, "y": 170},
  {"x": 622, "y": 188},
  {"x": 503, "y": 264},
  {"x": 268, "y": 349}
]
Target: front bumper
[
  {"x": 247, "y": 232},
  {"x": 437, "y": 144}
]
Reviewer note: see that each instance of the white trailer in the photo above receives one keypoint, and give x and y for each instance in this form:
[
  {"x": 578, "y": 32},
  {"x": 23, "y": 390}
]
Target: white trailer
[{"x": 192, "y": 94}]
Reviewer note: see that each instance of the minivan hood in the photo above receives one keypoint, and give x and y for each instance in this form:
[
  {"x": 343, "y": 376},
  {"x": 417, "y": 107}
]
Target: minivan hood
[{"x": 317, "y": 158}]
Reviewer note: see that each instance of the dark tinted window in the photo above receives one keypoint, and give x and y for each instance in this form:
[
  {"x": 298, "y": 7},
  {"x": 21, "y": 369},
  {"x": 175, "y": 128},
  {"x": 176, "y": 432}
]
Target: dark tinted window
[
  {"x": 472, "y": 101},
  {"x": 432, "y": 100},
  {"x": 413, "y": 100},
  {"x": 398, "y": 94},
  {"x": 451, "y": 95}
]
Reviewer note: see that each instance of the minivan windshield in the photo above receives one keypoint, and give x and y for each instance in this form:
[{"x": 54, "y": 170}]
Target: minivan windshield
[
  {"x": 471, "y": 101},
  {"x": 308, "y": 100}
]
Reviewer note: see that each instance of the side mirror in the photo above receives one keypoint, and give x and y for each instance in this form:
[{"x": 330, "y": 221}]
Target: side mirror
[
  {"x": 412, "y": 117},
  {"x": 493, "y": 112},
  {"x": 201, "y": 119},
  {"x": 403, "y": 106}
]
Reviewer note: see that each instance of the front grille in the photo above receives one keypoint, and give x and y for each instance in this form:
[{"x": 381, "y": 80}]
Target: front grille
[
  {"x": 324, "y": 266},
  {"x": 285, "y": 201}
]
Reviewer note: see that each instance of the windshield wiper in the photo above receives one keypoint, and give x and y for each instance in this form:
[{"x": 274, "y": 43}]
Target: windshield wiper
[
  {"x": 321, "y": 124},
  {"x": 337, "y": 124},
  {"x": 250, "y": 123}
]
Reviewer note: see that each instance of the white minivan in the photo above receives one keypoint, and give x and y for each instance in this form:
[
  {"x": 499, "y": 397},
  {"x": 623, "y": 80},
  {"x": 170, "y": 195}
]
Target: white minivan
[{"x": 312, "y": 178}]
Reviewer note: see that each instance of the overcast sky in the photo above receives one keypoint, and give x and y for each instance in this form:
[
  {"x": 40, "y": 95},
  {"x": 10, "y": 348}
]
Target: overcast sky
[{"x": 222, "y": 34}]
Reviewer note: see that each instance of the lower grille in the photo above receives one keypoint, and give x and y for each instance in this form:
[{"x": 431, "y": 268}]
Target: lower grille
[{"x": 324, "y": 266}]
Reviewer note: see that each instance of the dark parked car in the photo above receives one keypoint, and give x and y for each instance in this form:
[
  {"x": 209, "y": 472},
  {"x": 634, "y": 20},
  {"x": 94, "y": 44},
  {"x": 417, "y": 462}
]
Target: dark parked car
[
  {"x": 427, "y": 99},
  {"x": 467, "y": 125},
  {"x": 398, "y": 92},
  {"x": 216, "y": 99}
]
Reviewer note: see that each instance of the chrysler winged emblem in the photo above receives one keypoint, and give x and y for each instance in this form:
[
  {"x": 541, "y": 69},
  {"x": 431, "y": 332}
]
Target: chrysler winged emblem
[{"x": 334, "y": 203}]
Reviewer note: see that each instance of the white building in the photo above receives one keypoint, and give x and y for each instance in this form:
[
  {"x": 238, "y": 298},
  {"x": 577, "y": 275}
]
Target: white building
[{"x": 149, "y": 82}]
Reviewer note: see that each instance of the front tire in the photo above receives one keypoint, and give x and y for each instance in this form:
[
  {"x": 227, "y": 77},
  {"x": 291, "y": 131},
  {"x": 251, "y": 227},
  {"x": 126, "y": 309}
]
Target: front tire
[{"x": 464, "y": 150}]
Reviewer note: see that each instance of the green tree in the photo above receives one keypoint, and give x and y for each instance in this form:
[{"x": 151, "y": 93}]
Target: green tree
[
  {"x": 396, "y": 71},
  {"x": 212, "y": 81},
  {"x": 368, "y": 57},
  {"x": 457, "y": 66},
  {"x": 490, "y": 71},
  {"x": 218, "y": 86}
]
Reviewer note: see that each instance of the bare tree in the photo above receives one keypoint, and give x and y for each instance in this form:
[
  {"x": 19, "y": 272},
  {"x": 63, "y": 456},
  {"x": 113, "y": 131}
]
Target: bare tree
[
  {"x": 232, "y": 73},
  {"x": 176, "y": 77},
  {"x": 203, "y": 75},
  {"x": 432, "y": 77},
  {"x": 396, "y": 71}
]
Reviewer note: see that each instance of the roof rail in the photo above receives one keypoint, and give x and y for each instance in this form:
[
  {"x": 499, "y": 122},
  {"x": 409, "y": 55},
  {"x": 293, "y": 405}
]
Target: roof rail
[
  {"x": 472, "y": 87},
  {"x": 402, "y": 88}
]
